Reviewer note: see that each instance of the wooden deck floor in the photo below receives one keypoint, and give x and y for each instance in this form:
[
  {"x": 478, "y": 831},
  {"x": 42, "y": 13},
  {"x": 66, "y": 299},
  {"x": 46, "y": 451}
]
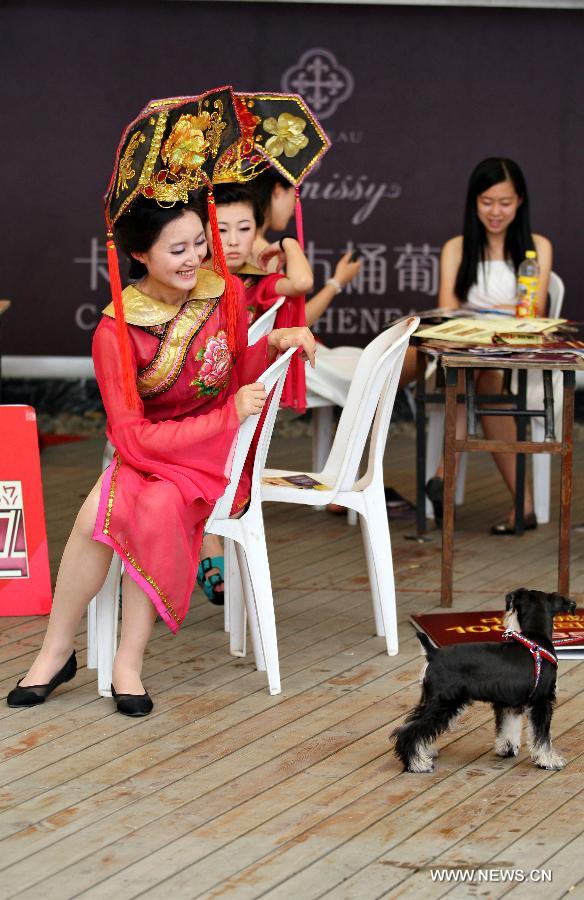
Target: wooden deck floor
[{"x": 225, "y": 791}]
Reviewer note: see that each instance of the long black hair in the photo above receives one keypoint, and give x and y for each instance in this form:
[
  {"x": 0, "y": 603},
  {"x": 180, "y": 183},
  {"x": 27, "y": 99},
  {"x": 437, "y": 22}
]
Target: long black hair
[
  {"x": 518, "y": 237},
  {"x": 138, "y": 229}
]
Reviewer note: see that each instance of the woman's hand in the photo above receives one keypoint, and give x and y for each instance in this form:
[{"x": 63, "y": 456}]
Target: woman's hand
[
  {"x": 249, "y": 400},
  {"x": 271, "y": 252},
  {"x": 346, "y": 269},
  {"x": 283, "y": 338}
]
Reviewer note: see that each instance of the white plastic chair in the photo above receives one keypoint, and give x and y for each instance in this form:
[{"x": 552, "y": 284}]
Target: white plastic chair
[
  {"x": 248, "y": 534},
  {"x": 541, "y": 462},
  {"x": 367, "y": 412},
  {"x": 264, "y": 324}
]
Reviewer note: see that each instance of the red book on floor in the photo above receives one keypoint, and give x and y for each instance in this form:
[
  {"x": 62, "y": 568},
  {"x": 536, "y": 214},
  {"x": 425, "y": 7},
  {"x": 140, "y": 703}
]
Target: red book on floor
[
  {"x": 487, "y": 625},
  {"x": 25, "y": 581}
]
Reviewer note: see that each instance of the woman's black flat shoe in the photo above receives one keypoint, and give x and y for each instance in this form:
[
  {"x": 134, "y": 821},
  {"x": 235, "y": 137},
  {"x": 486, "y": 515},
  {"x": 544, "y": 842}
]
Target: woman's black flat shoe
[
  {"x": 435, "y": 494},
  {"x": 133, "y": 704},
  {"x": 507, "y": 527},
  {"x": 33, "y": 694}
]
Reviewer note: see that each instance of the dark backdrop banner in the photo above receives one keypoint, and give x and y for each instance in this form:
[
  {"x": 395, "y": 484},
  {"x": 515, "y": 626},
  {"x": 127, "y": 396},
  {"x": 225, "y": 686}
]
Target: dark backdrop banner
[{"x": 412, "y": 98}]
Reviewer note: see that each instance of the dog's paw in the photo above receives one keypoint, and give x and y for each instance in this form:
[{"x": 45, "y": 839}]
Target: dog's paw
[
  {"x": 418, "y": 768},
  {"x": 549, "y": 759},
  {"x": 506, "y": 749}
]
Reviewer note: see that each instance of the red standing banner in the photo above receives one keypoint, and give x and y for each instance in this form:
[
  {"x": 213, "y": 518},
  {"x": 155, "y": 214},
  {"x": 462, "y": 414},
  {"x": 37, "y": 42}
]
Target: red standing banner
[{"x": 25, "y": 580}]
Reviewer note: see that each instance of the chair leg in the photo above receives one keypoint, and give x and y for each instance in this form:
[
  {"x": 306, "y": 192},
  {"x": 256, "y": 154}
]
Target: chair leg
[
  {"x": 434, "y": 445},
  {"x": 234, "y": 600},
  {"x": 460, "y": 479},
  {"x": 375, "y": 598},
  {"x": 541, "y": 475},
  {"x": 107, "y": 626},
  {"x": 92, "y": 634},
  {"x": 262, "y": 598},
  {"x": 233, "y": 592},
  {"x": 249, "y": 610},
  {"x": 322, "y": 435},
  {"x": 377, "y": 532}
]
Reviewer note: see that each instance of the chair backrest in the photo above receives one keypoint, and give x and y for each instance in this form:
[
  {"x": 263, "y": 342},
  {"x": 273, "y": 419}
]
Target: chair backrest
[
  {"x": 371, "y": 395},
  {"x": 556, "y": 295},
  {"x": 264, "y": 324},
  {"x": 273, "y": 380}
]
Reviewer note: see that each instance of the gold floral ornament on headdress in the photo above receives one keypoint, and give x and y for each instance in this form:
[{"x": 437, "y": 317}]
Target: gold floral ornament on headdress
[
  {"x": 188, "y": 146},
  {"x": 287, "y": 135}
]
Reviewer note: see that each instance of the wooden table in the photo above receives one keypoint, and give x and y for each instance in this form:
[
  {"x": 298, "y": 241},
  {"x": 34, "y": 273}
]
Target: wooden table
[{"x": 450, "y": 362}]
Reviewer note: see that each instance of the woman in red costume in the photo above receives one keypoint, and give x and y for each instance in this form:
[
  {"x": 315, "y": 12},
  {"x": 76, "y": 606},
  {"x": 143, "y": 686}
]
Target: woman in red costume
[
  {"x": 177, "y": 379},
  {"x": 238, "y": 216}
]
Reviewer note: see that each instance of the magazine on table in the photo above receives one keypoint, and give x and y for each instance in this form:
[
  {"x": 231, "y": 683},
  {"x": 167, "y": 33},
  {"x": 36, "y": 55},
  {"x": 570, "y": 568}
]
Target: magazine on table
[{"x": 491, "y": 329}]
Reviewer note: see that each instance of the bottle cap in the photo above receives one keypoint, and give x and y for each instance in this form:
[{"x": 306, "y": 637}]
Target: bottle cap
[{"x": 530, "y": 254}]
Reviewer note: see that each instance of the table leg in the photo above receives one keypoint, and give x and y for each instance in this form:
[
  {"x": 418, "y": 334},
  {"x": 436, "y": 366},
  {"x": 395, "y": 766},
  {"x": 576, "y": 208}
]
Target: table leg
[
  {"x": 420, "y": 444},
  {"x": 566, "y": 483},
  {"x": 449, "y": 486}
]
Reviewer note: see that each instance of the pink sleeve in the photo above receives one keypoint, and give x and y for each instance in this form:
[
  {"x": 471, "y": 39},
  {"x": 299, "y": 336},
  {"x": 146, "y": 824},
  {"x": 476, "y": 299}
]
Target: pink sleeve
[{"x": 171, "y": 449}]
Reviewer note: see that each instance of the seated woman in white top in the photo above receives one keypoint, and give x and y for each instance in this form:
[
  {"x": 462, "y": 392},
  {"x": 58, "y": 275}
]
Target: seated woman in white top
[{"x": 478, "y": 270}]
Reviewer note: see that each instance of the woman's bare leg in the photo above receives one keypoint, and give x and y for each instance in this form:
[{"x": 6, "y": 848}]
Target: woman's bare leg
[
  {"x": 409, "y": 368},
  {"x": 84, "y": 566},
  {"x": 138, "y": 617}
]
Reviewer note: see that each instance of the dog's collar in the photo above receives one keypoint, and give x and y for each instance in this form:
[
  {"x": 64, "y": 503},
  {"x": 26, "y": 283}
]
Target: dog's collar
[{"x": 536, "y": 651}]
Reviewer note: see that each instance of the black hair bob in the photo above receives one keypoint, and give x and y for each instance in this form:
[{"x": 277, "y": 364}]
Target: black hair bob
[
  {"x": 138, "y": 229},
  {"x": 239, "y": 193},
  {"x": 518, "y": 238},
  {"x": 263, "y": 188}
]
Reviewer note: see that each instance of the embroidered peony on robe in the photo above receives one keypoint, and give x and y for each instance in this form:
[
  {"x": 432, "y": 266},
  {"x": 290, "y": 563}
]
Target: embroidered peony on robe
[{"x": 173, "y": 454}]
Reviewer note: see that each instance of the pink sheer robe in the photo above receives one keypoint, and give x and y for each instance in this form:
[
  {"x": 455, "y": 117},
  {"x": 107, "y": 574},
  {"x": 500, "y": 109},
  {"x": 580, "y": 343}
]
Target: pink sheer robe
[{"x": 173, "y": 454}]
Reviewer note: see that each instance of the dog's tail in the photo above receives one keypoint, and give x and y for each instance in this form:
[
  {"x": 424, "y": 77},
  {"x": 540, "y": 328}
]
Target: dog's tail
[{"x": 427, "y": 646}]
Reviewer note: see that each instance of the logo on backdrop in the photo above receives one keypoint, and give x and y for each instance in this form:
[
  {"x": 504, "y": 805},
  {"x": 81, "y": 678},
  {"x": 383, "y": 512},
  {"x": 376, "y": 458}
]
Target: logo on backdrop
[
  {"x": 321, "y": 80},
  {"x": 13, "y": 557}
]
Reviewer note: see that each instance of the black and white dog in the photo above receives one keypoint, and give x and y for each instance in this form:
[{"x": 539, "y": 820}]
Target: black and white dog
[{"x": 517, "y": 675}]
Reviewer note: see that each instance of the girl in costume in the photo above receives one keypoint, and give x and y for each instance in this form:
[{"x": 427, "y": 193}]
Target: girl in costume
[
  {"x": 478, "y": 270},
  {"x": 238, "y": 217},
  {"x": 176, "y": 378}
]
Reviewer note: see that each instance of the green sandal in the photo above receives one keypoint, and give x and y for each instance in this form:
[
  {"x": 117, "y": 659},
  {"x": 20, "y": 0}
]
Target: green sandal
[{"x": 209, "y": 583}]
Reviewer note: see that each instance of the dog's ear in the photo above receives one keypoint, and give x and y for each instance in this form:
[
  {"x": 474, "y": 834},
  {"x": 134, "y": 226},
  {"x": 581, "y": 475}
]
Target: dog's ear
[
  {"x": 561, "y": 603},
  {"x": 514, "y": 599}
]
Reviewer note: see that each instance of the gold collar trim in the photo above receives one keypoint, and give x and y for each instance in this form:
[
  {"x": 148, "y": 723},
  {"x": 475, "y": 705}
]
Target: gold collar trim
[
  {"x": 140, "y": 309},
  {"x": 249, "y": 269}
]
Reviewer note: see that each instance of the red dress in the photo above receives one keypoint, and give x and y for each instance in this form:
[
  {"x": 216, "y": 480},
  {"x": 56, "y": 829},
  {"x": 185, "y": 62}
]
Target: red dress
[
  {"x": 260, "y": 294},
  {"x": 173, "y": 454}
]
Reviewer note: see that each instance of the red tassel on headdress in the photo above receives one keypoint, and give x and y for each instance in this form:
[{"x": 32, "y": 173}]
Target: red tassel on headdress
[
  {"x": 298, "y": 218},
  {"x": 230, "y": 300},
  {"x": 128, "y": 373},
  {"x": 290, "y": 315}
]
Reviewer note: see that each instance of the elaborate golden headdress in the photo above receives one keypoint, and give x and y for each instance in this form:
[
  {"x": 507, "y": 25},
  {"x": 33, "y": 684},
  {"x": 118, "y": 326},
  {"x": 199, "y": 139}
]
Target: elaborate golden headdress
[{"x": 169, "y": 150}]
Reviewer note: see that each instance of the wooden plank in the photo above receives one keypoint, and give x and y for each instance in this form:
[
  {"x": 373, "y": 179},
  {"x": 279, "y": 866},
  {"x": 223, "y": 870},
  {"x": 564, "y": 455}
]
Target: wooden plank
[{"x": 229, "y": 792}]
